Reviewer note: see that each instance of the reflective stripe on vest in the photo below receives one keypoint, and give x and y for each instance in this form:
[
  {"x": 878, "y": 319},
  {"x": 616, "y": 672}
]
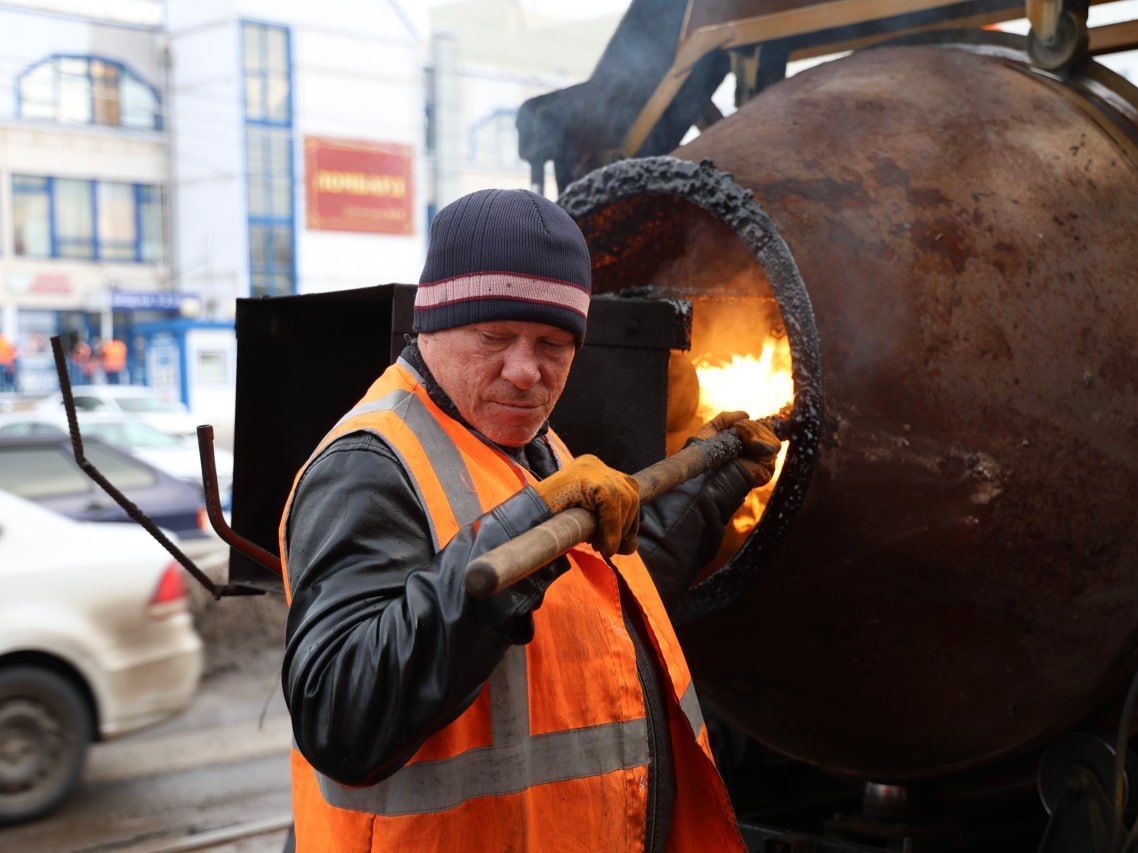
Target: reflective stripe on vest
[
  {"x": 454, "y": 476},
  {"x": 517, "y": 760}
]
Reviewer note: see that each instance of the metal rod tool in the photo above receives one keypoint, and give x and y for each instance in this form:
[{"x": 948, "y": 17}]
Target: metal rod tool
[{"x": 523, "y": 555}]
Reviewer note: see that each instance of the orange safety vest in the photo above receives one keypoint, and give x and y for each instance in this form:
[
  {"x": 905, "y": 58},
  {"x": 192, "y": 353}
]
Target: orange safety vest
[
  {"x": 553, "y": 754},
  {"x": 114, "y": 356},
  {"x": 7, "y": 352}
]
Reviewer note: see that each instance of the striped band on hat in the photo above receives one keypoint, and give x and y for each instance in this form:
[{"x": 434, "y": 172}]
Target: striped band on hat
[
  {"x": 482, "y": 296},
  {"x": 503, "y": 285}
]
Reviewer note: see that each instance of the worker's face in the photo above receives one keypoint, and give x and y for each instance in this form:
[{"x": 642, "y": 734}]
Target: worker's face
[{"x": 504, "y": 376}]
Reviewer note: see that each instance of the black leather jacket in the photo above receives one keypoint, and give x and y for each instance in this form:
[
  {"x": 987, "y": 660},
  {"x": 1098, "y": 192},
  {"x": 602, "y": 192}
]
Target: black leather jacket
[{"x": 384, "y": 647}]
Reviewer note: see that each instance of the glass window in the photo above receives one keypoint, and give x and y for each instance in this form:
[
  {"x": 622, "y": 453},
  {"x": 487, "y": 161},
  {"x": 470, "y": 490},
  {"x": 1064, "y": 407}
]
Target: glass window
[
  {"x": 276, "y": 50},
  {"x": 259, "y": 198},
  {"x": 120, "y": 469},
  {"x": 74, "y": 219},
  {"x": 213, "y": 367},
  {"x": 26, "y": 428},
  {"x": 254, "y": 98},
  {"x": 73, "y": 91},
  {"x": 152, "y": 219},
  {"x": 267, "y": 74},
  {"x": 105, "y": 92},
  {"x": 117, "y": 235},
  {"x": 259, "y": 246},
  {"x": 253, "y": 36},
  {"x": 280, "y": 149},
  {"x": 282, "y": 247},
  {"x": 31, "y": 216},
  {"x": 494, "y": 140},
  {"x": 138, "y": 104},
  {"x": 37, "y": 92},
  {"x": 41, "y": 472},
  {"x": 84, "y": 403},
  {"x": 276, "y": 99},
  {"x": 280, "y": 207},
  {"x": 85, "y": 89}
]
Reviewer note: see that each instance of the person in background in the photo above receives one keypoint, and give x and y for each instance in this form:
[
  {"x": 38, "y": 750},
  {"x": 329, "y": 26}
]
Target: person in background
[
  {"x": 113, "y": 357},
  {"x": 79, "y": 363},
  {"x": 7, "y": 365}
]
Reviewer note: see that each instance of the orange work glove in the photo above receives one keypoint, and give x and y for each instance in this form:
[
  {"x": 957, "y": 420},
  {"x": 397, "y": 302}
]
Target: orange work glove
[
  {"x": 760, "y": 444},
  {"x": 612, "y": 495}
]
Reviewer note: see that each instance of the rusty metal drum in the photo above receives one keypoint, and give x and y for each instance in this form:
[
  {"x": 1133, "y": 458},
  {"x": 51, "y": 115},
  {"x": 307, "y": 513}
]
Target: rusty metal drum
[{"x": 956, "y": 580}]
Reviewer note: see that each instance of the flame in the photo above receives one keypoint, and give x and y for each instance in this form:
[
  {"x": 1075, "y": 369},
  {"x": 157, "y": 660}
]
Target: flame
[
  {"x": 758, "y": 386},
  {"x": 761, "y": 386}
]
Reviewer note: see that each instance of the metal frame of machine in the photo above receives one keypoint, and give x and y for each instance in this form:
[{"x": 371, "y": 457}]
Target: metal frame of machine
[{"x": 759, "y": 38}]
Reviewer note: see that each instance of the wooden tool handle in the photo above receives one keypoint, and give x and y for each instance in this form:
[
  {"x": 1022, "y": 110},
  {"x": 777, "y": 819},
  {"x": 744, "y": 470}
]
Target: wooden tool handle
[{"x": 523, "y": 555}]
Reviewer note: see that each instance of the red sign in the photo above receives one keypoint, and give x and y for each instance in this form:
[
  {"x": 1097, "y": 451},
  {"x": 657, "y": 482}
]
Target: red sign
[{"x": 354, "y": 185}]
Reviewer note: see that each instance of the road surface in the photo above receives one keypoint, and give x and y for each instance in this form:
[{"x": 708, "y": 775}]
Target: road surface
[{"x": 217, "y": 775}]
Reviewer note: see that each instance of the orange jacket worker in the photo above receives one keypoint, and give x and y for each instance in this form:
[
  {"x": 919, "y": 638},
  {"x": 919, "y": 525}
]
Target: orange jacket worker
[{"x": 557, "y": 714}]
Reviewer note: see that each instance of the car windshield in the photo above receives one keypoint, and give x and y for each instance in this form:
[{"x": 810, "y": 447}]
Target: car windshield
[
  {"x": 137, "y": 405},
  {"x": 40, "y": 472},
  {"x": 132, "y": 434}
]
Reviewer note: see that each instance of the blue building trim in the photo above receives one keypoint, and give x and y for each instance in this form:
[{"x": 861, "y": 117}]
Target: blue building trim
[
  {"x": 267, "y": 225},
  {"x": 51, "y": 217},
  {"x": 123, "y": 69}
]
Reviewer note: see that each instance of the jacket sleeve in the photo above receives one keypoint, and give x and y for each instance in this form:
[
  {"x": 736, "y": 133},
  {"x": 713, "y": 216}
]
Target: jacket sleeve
[
  {"x": 384, "y": 646},
  {"x": 681, "y": 530}
]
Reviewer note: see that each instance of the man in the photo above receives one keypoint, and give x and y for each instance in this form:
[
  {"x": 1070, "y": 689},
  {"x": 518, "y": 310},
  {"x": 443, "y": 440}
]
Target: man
[
  {"x": 113, "y": 357},
  {"x": 7, "y": 364},
  {"x": 557, "y": 714}
]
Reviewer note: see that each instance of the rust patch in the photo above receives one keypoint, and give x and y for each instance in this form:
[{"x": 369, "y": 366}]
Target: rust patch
[{"x": 944, "y": 240}]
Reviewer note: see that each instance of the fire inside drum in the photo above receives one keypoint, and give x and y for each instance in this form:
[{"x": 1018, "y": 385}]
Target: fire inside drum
[
  {"x": 960, "y": 580},
  {"x": 740, "y": 358}
]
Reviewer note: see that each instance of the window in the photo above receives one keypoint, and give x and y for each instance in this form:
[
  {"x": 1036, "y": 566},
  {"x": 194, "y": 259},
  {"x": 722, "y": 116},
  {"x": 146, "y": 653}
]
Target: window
[
  {"x": 25, "y": 428},
  {"x": 493, "y": 141},
  {"x": 120, "y": 469},
  {"x": 88, "y": 90},
  {"x": 269, "y": 158},
  {"x": 84, "y": 403},
  {"x": 152, "y": 221},
  {"x": 74, "y": 218},
  {"x": 213, "y": 367},
  {"x": 41, "y": 472},
  {"x": 107, "y": 221},
  {"x": 118, "y": 239},
  {"x": 31, "y": 217},
  {"x": 267, "y": 74}
]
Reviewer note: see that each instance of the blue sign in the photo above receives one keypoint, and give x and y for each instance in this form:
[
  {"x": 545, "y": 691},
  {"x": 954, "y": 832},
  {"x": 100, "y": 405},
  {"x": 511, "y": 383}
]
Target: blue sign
[{"x": 140, "y": 300}]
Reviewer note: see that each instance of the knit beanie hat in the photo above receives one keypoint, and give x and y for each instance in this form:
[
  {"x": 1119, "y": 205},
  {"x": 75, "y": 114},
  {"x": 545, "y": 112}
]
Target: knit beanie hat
[{"x": 504, "y": 255}]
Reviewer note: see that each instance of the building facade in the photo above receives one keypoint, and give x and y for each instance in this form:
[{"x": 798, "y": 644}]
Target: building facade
[
  {"x": 160, "y": 160},
  {"x": 84, "y": 176}
]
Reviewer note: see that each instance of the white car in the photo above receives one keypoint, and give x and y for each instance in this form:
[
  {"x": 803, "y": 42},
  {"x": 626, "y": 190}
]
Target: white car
[
  {"x": 132, "y": 401},
  {"x": 176, "y": 455},
  {"x": 96, "y": 640}
]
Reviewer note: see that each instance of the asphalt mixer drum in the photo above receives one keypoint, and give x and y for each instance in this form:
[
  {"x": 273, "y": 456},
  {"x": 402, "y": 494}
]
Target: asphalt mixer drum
[{"x": 947, "y": 571}]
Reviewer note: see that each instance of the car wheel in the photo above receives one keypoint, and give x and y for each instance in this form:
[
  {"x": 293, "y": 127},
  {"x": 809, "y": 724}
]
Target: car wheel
[{"x": 45, "y": 727}]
